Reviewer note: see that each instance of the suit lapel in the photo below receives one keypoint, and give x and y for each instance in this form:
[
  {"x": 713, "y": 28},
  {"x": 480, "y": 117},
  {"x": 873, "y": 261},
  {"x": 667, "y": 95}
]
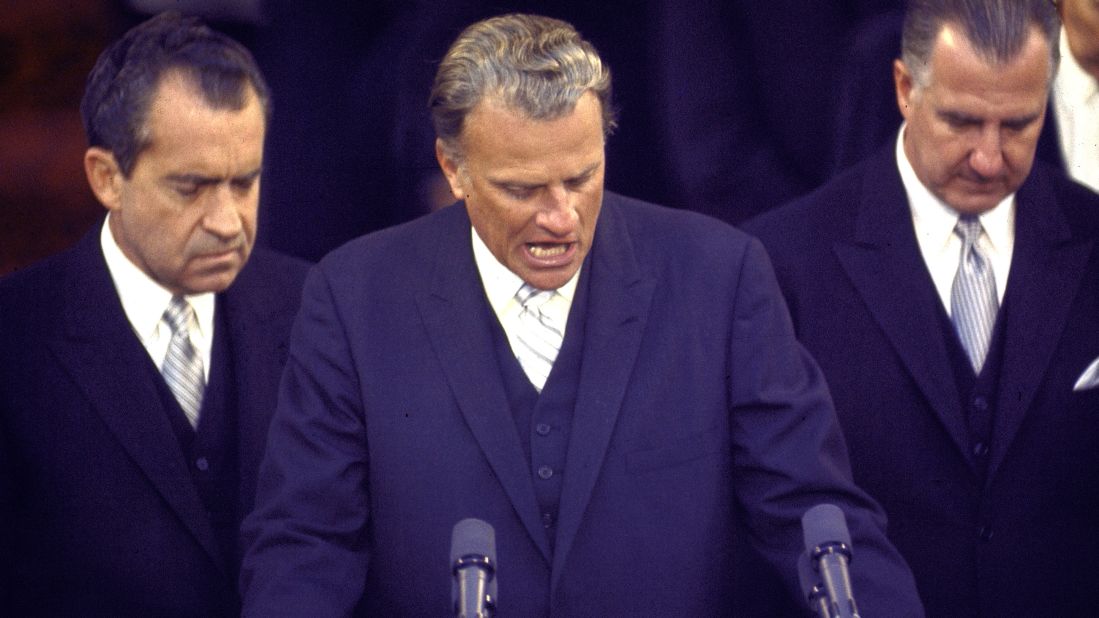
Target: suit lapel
[
  {"x": 618, "y": 307},
  {"x": 107, "y": 361},
  {"x": 885, "y": 265},
  {"x": 253, "y": 315},
  {"x": 454, "y": 313},
  {"x": 1047, "y": 269}
]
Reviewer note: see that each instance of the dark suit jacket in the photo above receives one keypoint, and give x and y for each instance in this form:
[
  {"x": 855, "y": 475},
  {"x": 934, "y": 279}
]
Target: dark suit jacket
[
  {"x": 98, "y": 512},
  {"x": 695, "y": 407},
  {"x": 1022, "y": 541}
]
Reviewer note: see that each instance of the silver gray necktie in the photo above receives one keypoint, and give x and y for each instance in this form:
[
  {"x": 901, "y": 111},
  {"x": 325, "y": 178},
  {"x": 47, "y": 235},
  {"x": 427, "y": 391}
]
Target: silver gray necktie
[
  {"x": 973, "y": 300},
  {"x": 539, "y": 337},
  {"x": 182, "y": 368}
]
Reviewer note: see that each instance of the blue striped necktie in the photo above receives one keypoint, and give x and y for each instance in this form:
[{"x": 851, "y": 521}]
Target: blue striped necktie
[
  {"x": 182, "y": 368},
  {"x": 973, "y": 300},
  {"x": 539, "y": 336}
]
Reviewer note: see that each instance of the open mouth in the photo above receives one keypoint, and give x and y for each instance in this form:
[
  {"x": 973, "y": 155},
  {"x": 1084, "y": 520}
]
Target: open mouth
[
  {"x": 548, "y": 250},
  {"x": 550, "y": 254}
]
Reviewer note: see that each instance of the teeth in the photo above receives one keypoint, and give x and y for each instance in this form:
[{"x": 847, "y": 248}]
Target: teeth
[{"x": 545, "y": 251}]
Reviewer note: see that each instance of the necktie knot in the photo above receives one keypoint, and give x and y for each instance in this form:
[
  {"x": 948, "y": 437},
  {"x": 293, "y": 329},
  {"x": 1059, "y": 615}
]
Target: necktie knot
[
  {"x": 178, "y": 314},
  {"x": 968, "y": 229},
  {"x": 532, "y": 298}
]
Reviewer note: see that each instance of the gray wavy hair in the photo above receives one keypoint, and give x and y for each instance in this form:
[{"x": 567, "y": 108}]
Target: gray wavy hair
[{"x": 537, "y": 65}]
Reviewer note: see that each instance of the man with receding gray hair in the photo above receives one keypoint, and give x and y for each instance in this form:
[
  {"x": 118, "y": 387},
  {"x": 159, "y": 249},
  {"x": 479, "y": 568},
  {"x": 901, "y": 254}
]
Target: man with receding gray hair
[
  {"x": 610, "y": 385},
  {"x": 947, "y": 287}
]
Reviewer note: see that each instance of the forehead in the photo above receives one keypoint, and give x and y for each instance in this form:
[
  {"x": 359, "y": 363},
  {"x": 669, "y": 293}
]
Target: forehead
[
  {"x": 181, "y": 121},
  {"x": 497, "y": 134},
  {"x": 959, "y": 74}
]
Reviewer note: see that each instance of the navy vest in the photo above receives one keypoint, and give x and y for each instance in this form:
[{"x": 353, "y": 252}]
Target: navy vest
[
  {"x": 544, "y": 421},
  {"x": 977, "y": 393}
]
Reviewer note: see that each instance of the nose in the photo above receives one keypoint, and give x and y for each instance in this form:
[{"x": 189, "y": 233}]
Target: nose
[
  {"x": 557, "y": 214},
  {"x": 222, "y": 218},
  {"x": 987, "y": 157}
]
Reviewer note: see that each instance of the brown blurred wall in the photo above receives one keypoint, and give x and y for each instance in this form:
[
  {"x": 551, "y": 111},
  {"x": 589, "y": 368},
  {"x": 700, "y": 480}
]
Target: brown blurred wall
[{"x": 47, "y": 48}]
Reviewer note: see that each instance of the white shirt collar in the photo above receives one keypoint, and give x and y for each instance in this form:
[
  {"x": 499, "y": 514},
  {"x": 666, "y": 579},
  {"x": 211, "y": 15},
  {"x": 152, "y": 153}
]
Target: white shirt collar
[
  {"x": 934, "y": 220},
  {"x": 144, "y": 300},
  {"x": 501, "y": 284}
]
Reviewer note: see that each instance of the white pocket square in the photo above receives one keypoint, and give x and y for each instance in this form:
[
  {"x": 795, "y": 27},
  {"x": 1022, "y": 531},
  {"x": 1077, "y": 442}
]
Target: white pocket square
[{"x": 1088, "y": 379}]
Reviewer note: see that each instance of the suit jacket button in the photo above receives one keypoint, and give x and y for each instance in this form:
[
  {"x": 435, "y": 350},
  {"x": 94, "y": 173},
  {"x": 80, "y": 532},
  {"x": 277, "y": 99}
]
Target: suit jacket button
[
  {"x": 202, "y": 464},
  {"x": 985, "y": 533},
  {"x": 545, "y": 472},
  {"x": 547, "y": 519},
  {"x": 543, "y": 429},
  {"x": 980, "y": 449}
]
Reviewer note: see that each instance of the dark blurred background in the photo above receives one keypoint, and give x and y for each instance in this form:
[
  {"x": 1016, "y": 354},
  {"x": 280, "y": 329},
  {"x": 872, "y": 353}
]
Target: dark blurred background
[{"x": 726, "y": 107}]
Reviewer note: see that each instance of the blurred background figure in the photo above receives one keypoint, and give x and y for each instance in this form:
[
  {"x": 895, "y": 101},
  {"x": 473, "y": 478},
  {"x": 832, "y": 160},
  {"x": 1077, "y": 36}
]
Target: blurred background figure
[{"x": 1076, "y": 91}]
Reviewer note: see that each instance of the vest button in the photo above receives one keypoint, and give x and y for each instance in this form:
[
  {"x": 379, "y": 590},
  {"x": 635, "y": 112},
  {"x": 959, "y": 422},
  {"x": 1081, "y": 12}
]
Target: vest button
[
  {"x": 543, "y": 429},
  {"x": 980, "y": 403},
  {"x": 980, "y": 449},
  {"x": 545, "y": 472},
  {"x": 202, "y": 464}
]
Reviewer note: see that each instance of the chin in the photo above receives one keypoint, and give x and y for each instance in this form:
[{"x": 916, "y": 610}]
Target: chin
[{"x": 211, "y": 283}]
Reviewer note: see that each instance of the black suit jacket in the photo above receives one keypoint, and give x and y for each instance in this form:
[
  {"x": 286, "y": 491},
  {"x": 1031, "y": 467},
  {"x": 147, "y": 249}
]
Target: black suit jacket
[
  {"x": 1020, "y": 541},
  {"x": 98, "y": 512}
]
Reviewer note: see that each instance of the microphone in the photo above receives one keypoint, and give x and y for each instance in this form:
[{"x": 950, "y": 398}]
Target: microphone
[
  {"x": 828, "y": 545},
  {"x": 473, "y": 563},
  {"x": 812, "y": 588}
]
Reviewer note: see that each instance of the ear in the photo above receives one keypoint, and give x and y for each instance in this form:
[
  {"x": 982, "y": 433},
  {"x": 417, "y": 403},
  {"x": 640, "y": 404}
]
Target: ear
[
  {"x": 451, "y": 170},
  {"x": 104, "y": 176},
  {"x": 904, "y": 83}
]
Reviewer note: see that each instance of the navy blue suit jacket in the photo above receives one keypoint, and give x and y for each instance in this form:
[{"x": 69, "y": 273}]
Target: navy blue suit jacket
[
  {"x": 98, "y": 512},
  {"x": 695, "y": 407},
  {"x": 1021, "y": 540}
]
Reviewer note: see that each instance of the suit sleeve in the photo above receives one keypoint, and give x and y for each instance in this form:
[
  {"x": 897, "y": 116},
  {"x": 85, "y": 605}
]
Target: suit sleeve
[
  {"x": 789, "y": 453},
  {"x": 307, "y": 550}
]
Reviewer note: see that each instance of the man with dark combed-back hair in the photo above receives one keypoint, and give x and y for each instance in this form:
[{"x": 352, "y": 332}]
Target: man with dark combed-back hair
[
  {"x": 611, "y": 385},
  {"x": 138, "y": 370},
  {"x": 947, "y": 287}
]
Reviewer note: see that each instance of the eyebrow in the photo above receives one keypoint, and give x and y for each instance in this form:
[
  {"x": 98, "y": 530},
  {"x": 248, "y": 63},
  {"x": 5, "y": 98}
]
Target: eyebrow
[
  {"x": 964, "y": 118},
  {"x": 200, "y": 180},
  {"x": 517, "y": 184},
  {"x": 588, "y": 171}
]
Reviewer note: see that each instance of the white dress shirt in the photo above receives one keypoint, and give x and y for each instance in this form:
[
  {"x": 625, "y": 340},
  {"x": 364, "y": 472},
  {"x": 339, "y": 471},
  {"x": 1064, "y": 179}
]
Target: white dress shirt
[
  {"x": 1076, "y": 105},
  {"x": 145, "y": 301},
  {"x": 941, "y": 248},
  {"x": 501, "y": 285}
]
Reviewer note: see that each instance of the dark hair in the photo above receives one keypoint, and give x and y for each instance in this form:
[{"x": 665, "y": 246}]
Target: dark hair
[
  {"x": 537, "y": 65},
  {"x": 997, "y": 29},
  {"x": 122, "y": 84}
]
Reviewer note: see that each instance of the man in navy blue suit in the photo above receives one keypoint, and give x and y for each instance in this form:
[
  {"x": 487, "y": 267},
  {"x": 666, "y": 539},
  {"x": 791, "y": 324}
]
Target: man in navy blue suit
[
  {"x": 138, "y": 370},
  {"x": 611, "y": 385},
  {"x": 948, "y": 288}
]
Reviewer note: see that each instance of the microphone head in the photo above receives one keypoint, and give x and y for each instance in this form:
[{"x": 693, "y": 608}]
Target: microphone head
[
  {"x": 472, "y": 537},
  {"x": 822, "y": 525}
]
